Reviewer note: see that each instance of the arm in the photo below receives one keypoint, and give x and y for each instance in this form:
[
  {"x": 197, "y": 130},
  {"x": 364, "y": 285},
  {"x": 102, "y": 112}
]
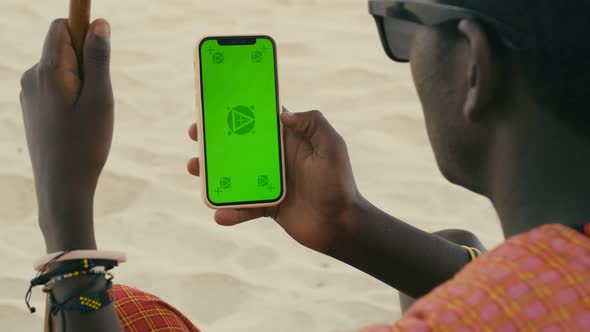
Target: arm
[
  {"x": 324, "y": 211},
  {"x": 69, "y": 127},
  {"x": 404, "y": 257}
]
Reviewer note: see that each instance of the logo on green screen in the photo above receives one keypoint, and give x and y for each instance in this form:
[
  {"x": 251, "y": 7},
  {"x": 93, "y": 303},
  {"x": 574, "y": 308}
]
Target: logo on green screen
[
  {"x": 263, "y": 180},
  {"x": 225, "y": 183},
  {"x": 257, "y": 57},
  {"x": 218, "y": 58},
  {"x": 241, "y": 120}
]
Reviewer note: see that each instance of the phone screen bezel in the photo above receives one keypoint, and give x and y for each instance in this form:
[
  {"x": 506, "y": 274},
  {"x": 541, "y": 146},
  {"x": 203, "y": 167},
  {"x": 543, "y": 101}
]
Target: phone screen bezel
[{"x": 236, "y": 41}]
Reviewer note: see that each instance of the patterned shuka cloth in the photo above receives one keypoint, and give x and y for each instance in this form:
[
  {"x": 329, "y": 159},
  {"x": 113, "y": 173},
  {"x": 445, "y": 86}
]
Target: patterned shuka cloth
[
  {"x": 537, "y": 281},
  {"x": 142, "y": 312}
]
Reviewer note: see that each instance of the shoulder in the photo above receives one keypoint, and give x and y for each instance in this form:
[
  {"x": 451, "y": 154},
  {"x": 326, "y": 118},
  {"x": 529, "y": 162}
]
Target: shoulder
[{"x": 536, "y": 280}]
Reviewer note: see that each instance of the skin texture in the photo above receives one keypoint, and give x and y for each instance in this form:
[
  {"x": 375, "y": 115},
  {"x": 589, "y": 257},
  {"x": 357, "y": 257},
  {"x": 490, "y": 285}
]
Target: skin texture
[
  {"x": 490, "y": 136},
  {"x": 458, "y": 236},
  {"x": 69, "y": 127},
  {"x": 444, "y": 80}
]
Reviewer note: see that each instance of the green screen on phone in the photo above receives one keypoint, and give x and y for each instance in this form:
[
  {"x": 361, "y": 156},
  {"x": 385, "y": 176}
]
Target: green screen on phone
[{"x": 241, "y": 120}]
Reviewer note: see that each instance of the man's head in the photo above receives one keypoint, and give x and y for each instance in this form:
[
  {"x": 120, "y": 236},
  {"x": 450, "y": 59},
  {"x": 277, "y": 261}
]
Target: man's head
[{"x": 476, "y": 90}]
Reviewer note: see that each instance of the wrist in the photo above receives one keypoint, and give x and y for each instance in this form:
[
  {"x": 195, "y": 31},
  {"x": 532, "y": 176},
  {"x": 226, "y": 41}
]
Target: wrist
[
  {"x": 357, "y": 215},
  {"x": 67, "y": 222},
  {"x": 351, "y": 221}
]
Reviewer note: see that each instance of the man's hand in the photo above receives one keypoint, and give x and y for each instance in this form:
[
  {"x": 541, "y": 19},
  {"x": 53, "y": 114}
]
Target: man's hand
[
  {"x": 325, "y": 212},
  {"x": 69, "y": 126},
  {"x": 322, "y": 196}
]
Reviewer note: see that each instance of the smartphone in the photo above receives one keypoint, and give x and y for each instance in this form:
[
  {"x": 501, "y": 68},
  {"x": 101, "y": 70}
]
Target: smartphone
[{"x": 242, "y": 158}]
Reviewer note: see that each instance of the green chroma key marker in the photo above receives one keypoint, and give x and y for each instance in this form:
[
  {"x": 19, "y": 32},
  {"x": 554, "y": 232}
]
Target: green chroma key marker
[{"x": 241, "y": 122}]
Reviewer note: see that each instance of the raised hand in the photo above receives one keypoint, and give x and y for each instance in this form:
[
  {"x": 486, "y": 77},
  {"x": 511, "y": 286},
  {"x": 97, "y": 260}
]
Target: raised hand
[{"x": 69, "y": 128}]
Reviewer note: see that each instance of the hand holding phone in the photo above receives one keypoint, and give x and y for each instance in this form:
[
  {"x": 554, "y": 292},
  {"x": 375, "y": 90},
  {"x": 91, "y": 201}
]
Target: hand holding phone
[{"x": 322, "y": 202}]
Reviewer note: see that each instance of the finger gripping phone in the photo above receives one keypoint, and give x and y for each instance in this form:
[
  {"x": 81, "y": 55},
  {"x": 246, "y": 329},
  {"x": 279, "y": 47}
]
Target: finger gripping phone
[{"x": 240, "y": 133}]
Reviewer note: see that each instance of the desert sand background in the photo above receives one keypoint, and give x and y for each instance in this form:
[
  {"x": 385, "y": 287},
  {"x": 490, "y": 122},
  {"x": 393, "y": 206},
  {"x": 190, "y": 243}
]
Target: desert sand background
[{"x": 252, "y": 277}]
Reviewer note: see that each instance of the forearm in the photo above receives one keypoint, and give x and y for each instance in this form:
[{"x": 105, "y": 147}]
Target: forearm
[
  {"x": 66, "y": 216},
  {"x": 406, "y": 258}
]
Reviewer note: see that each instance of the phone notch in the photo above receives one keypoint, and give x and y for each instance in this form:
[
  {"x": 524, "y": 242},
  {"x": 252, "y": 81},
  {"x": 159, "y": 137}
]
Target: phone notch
[{"x": 236, "y": 41}]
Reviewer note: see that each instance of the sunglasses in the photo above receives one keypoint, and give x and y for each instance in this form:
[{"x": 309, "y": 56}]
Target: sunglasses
[{"x": 399, "y": 21}]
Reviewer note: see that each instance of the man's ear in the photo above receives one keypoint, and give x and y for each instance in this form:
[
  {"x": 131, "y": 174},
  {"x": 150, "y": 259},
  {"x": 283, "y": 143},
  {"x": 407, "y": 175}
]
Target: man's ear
[{"x": 482, "y": 77}]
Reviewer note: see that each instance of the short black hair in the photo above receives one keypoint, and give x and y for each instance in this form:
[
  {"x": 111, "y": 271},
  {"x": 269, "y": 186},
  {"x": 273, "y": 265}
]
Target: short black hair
[{"x": 557, "y": 63}]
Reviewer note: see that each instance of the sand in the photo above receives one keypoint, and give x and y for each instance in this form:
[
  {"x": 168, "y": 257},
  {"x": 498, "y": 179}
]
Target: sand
[{"x": 252, "y": 277}]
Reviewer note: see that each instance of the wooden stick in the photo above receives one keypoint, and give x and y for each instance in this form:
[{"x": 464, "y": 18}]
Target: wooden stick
[{"x": 78, "y": 23}]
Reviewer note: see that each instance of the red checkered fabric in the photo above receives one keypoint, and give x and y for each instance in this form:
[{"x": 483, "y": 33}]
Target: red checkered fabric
[{"x": 142, "y": 312}]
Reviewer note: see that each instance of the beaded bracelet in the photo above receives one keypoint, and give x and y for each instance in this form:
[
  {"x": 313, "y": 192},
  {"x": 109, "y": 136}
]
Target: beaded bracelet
[
  {"x": 86, "y": 264},
  {"x": 91, "y": 302},
  {"x": 87, "y": 302},
  {"x": 72, "y": 266},
  {"x": 71, "y": 262},
  {"x": 69, "y": 255},
  {"x": 76, "y": 274}
]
